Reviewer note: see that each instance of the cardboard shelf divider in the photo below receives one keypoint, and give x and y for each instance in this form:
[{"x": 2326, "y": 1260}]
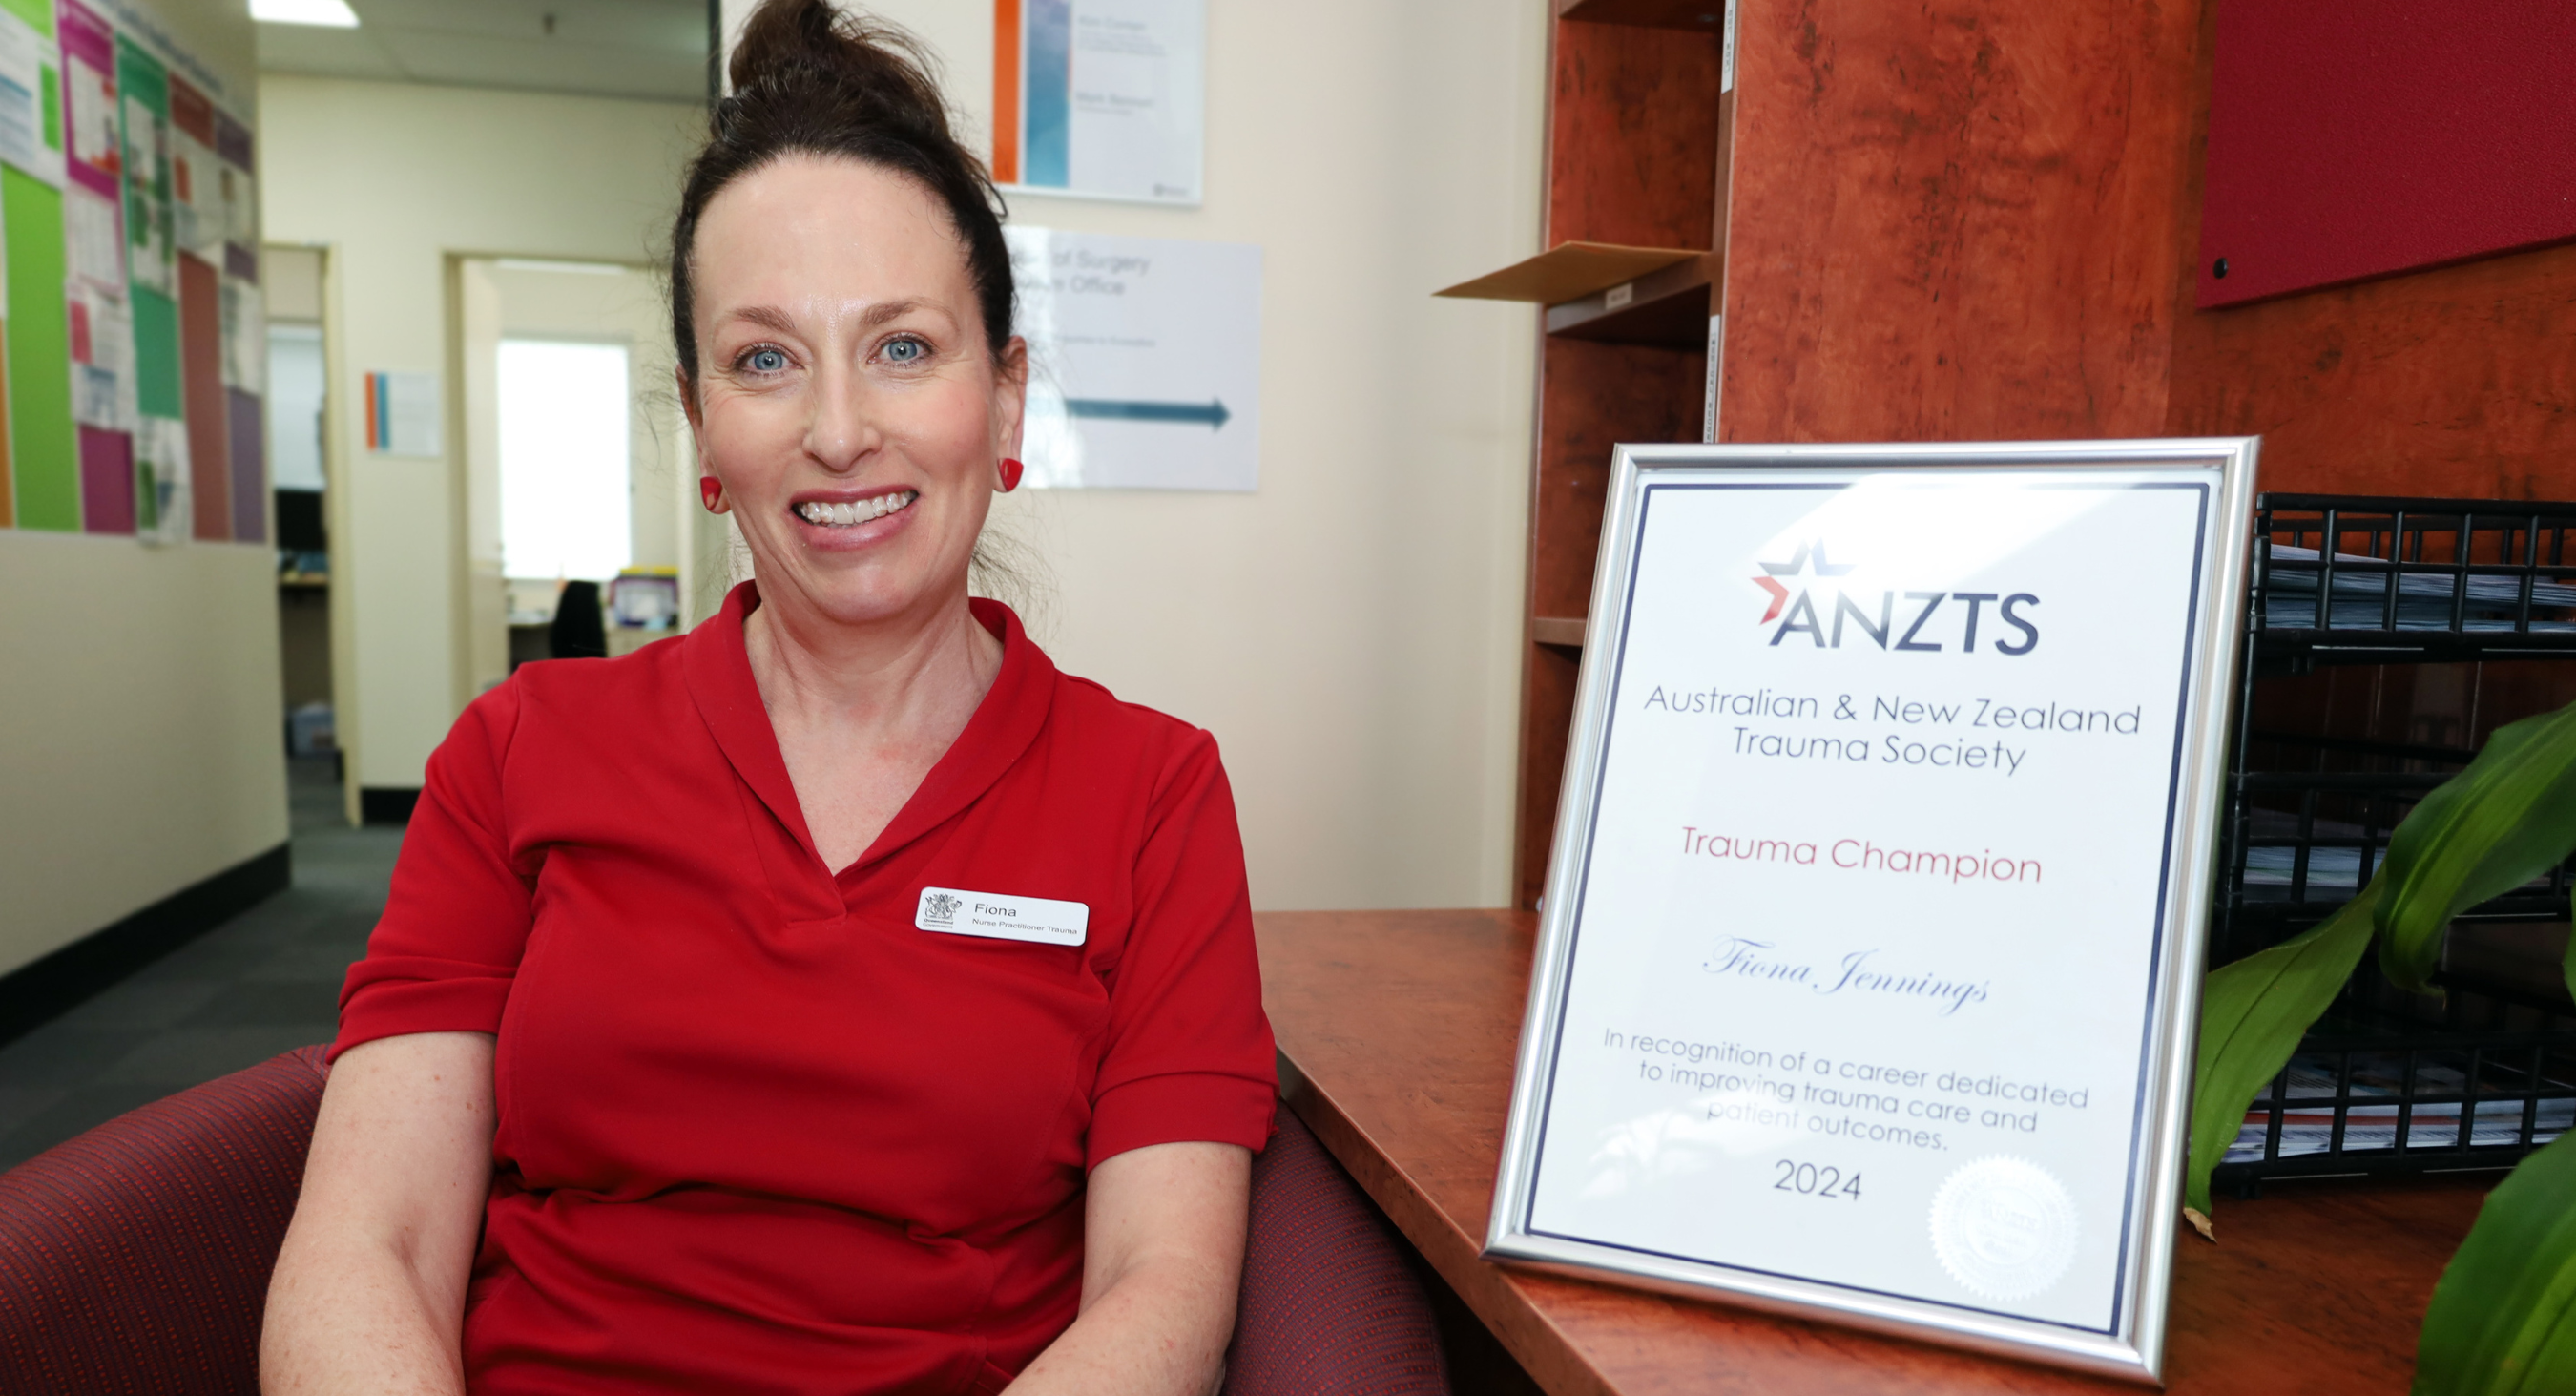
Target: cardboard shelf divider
[{"x": 1569, "y": 271}]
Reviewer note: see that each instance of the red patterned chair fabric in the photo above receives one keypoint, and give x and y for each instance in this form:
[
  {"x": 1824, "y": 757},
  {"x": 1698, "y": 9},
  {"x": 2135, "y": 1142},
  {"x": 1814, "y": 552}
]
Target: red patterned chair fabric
[
  {"x": 1329, "y": 1306},
  {"x": 135, "y": 1259}
]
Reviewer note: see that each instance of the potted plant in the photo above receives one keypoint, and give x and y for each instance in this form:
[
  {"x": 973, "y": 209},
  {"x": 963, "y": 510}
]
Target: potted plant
[{"x": 2503, "y": 1318}]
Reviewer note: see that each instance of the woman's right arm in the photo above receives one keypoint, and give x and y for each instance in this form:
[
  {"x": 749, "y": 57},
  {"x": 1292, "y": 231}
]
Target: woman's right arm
[{"x": 369, "y": 1292}]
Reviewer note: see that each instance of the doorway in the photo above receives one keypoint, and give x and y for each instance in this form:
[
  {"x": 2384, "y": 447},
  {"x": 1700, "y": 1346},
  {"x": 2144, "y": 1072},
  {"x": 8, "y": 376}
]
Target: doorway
[
  {"x": 580, "y": 480},
  {"x": 299, "y": 475}
]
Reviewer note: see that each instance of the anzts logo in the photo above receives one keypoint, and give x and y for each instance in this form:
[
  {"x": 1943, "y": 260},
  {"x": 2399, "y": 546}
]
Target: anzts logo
[{"x": 1932, "y": 620}]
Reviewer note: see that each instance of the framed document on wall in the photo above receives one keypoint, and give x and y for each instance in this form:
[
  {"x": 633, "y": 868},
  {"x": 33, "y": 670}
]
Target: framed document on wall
[{"x": 1868, "y": 962}]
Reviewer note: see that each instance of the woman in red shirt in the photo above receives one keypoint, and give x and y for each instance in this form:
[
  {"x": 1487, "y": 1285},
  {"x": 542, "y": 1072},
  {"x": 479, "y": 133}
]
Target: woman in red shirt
[{"x": 838, "y": 998}]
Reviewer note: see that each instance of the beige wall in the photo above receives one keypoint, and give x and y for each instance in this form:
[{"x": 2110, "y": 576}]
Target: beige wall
[
  {"x": 392, "y": 179},
  {"x": 142, "y": 738},
  {"x": 1351, "y": 632},
  {"x": 142, "y": 746}
]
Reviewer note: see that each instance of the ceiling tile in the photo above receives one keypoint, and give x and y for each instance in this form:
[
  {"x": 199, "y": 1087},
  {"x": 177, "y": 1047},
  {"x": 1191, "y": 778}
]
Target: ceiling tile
[
  {"x": 338, "y": 53},
  {"x": 547, "y": 67},
  {"x": 654, "y": 49},
  {"x": 677, "y": 25}
]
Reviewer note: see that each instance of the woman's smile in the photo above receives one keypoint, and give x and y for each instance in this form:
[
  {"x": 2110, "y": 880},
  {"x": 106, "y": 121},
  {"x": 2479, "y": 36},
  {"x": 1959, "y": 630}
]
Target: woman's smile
[{"x": 842, "y": 511}]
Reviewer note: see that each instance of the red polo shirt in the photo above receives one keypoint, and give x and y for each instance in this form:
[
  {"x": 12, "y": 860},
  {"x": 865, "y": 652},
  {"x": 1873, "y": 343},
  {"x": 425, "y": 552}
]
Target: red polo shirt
[{"x": 759, "y": 1131}]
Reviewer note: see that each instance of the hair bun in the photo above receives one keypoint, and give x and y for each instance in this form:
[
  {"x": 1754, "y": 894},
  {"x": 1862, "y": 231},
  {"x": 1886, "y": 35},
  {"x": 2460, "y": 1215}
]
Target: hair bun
[{"x": 790, "y": 47}]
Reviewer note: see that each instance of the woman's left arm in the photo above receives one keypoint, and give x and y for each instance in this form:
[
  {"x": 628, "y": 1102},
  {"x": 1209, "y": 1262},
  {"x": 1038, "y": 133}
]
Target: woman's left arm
[{"x": 1162, "y": 1257}]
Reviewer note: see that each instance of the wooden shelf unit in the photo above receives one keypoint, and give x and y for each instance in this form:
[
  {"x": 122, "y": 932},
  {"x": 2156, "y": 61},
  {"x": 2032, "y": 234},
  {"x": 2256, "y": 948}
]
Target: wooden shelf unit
[
  {"x": 1962, "y": 220},
  {"x": 1696, "y": 16},
  {"x": 1562, "y": 632},
  {"x": 1636, "y": 150},
  {"x": 1668, "y": 307}
]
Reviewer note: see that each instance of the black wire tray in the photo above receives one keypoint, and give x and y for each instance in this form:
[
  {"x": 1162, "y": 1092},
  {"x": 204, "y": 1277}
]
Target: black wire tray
[
  {"x": 2389, "y": 1083},
  {"x": 2286, "y": 869},
  {"x": 2399, "y": 579},
  {"x": 2469, "y": 1081}
]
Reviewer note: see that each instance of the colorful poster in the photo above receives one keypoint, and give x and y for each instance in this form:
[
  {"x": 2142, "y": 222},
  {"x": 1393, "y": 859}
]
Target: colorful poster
[
  {"x": 163, "y": 509},
  {"x": 245, "y": 329},
  {"x": 97, "y": 146},
  {"x": 44, "y": 449},
  {"x": 1144, "y": 360},
  {"x": 240, "y": 196},
  {"x": 8, "y": 475},
  {"x": 143, "y": 87},
  {"x": 196, "y": 177},
  {"x": 245, "y": 332},
  {"x": 126, "y": 407},
  {"x": 102, "y": 332},
  {"x": 101, "y": 321},
  {"x": 44, "y": 454},
  {"x": 107, "y": 481},
  {"x": 30, "y": 66},
  {"x": 1101, "y": 98},
  {"x": 402, "y": 414},
  {"x": 94, "y": 239},
  {"x": 249, "y": 467},
  {"x": 201, "y": 338}
]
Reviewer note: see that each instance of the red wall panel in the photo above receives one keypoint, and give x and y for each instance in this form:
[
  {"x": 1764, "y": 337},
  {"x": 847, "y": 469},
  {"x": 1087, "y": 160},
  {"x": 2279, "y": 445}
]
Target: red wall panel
[
  {"x": 201, "y": 364},
  {"x": 2353, "y": 138}
]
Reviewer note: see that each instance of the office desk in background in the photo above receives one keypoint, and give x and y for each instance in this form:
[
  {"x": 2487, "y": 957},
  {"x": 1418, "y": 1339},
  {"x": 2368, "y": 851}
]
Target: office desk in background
[{"x": 1397, "y": 1036}]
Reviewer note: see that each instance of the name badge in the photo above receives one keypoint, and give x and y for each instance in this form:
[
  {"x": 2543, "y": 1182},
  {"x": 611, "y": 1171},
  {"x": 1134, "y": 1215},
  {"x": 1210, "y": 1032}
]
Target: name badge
[{"x": 997, "y": 917}]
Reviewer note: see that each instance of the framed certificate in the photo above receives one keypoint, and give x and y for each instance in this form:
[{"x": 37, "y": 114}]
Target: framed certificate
[{"x": 1871, "y": 946}]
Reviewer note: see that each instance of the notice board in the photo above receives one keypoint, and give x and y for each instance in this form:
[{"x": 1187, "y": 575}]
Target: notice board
[
  {"x": 133, "y": 349},
  {"x": 2355, "y": 138}
]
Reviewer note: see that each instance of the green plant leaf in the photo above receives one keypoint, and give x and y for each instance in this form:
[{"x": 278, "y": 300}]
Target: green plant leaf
[
  {"x": 2503, "y": 1317},
  {"x": 2505, "y": 820},
  {"x": 2252, "y": 1015}
]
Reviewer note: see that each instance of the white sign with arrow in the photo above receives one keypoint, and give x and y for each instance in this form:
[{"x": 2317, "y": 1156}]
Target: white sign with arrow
[{"x": 1145, "y": 361}]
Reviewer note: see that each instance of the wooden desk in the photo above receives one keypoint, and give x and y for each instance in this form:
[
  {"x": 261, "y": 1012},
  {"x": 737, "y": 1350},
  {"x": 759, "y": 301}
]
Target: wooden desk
[{"x": 1397, "y": 1033}]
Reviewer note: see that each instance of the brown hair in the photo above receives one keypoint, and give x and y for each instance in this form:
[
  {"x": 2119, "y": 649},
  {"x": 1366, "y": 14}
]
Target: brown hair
[{"x": 809, "y": 80}]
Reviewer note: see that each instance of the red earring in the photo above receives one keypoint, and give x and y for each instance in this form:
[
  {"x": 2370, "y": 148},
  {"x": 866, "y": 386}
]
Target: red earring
[
  {"x": 710, "y": 490},
  {"x": 1011, "y": 474}
]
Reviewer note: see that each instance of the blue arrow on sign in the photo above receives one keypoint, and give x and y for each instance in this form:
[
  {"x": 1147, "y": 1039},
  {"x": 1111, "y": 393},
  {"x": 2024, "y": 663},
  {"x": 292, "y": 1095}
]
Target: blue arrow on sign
[{"x": 1212, "y": 412}]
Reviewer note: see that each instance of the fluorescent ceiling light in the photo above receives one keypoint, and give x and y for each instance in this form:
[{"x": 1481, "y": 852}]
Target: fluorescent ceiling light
[{"x": 334, "y": 14}]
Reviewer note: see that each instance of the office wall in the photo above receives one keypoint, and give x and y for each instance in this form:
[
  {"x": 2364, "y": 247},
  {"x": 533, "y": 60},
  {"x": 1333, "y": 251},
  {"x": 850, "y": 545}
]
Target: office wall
[
  {"x": 141, "y": 750},
  {"x": 1351, "y": 632},
  {"x": 141, "y": 740},
  {"x": 392, "y": 178}
]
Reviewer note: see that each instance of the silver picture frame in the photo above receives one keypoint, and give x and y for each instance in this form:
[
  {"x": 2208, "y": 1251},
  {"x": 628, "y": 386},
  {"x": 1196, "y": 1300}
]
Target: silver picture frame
[{"x": 2132, "y": 1345}]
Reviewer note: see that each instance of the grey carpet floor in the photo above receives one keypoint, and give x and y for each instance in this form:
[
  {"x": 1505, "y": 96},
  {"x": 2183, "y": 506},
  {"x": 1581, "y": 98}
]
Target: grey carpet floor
[{"x": 263, "y": 983}]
